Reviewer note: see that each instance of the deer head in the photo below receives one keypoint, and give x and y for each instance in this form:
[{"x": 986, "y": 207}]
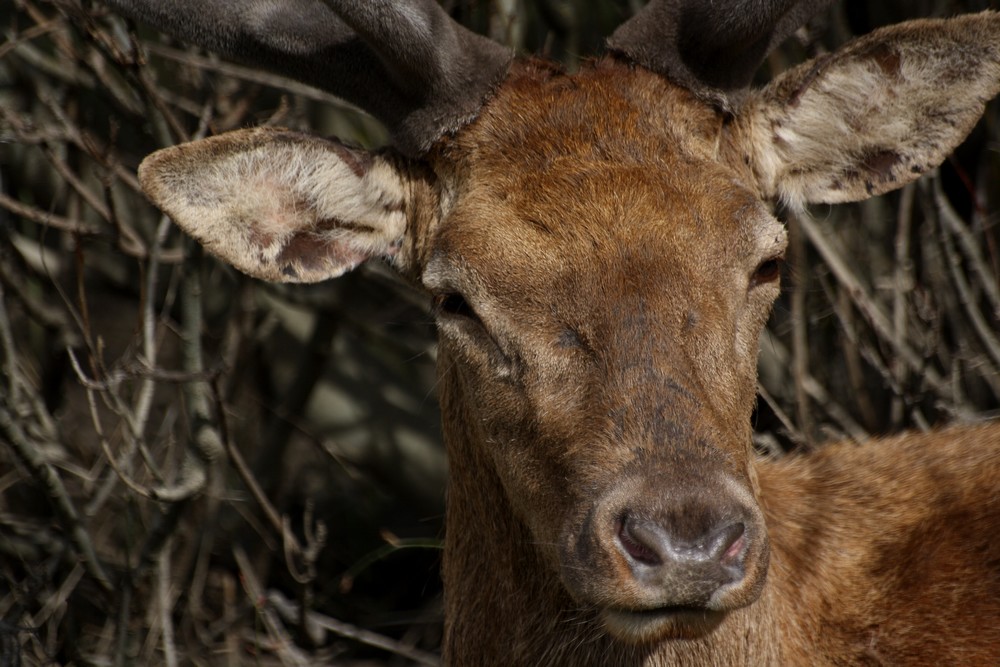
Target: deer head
[{"x": 601, "y": 252}]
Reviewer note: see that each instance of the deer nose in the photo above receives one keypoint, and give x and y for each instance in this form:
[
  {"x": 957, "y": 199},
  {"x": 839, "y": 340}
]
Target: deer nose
[{"x": 674, "y": 564}]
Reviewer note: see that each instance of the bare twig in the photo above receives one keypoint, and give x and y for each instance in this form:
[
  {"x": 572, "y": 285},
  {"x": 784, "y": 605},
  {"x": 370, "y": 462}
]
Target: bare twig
[
  {"x": 902, "y": 286},
  {"x": 288, "y": 610},
  {"x": 868, "y": 306},
  {"x": 31, "y": 455},
  {"x": 285, "y": 648},
  {"x": 165, "y": 606},
  {"x": 205, "y": 446},
  {"x": 120, "y": 469},
  {"x": 40, "y": 30},
  {"x": 969, "y": 245},
  {"x": 48, "y": 219},
  {"x": 254, "y": 76},
  {"x": 969, "y": 302},
  {"x": 800, "y": 324}
]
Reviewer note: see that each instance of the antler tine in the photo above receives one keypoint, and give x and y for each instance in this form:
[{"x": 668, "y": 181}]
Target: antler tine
[
  {"x": 404, "y": 61},
  {"x": 712, "y": 48},
  {"x": 445, "y": 69}
]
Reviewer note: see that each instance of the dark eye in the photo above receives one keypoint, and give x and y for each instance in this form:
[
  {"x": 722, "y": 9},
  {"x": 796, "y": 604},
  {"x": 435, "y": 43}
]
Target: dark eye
[
  {"x": 456, "y": 316},
  {"x": 454, "y": 304},
  {"x": 768, "y": 271}
]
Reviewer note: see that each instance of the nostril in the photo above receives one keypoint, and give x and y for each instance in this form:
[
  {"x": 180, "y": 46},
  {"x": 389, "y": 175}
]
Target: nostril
[
  {"x": 634, "y": 545},
  {"x": 688, "y": 555},
  {"x": 652, "y": 544},
  {"x": 730, "y": 544}
]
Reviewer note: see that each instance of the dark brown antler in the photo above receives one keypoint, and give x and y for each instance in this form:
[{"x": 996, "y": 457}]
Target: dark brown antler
[
  {"x": 404, "y": 61},
  {"x": 712, "y": 48}
]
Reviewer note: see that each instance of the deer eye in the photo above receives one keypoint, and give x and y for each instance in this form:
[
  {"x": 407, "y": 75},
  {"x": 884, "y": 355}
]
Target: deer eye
[
  {"x": 454, "y": 304},
  {"x": 768, "y": 271},
  {"x": 457, "y": 316}
]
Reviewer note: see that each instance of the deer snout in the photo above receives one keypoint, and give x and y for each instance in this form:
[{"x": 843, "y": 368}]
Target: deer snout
[{"x": 661, "y": 559}]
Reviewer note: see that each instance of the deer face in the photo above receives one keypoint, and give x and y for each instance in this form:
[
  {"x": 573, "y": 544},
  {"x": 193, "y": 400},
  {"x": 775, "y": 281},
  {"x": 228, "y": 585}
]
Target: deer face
[{"x": 600, "y": 291}]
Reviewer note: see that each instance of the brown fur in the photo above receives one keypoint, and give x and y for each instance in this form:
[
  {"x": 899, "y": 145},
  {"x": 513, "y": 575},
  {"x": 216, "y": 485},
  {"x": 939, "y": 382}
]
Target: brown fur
[
  {"x": 888, "y": 550},
  {"x": 603, "y": 260}
]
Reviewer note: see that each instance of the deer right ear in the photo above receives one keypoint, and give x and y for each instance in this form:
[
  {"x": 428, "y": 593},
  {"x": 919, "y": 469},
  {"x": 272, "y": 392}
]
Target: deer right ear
[
  {"x": 874, "y": 115},
  {"x": 280, "y": 205}
]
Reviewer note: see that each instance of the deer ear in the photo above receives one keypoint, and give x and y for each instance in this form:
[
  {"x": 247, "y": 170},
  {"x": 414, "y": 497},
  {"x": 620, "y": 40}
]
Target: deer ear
[
  {"x": 281, "y": 205},
  {"x": 876, "y": 114}
]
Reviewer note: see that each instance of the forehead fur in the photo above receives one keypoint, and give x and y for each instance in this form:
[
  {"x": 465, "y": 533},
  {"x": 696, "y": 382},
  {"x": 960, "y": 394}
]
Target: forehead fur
[
  {"x": 607, "y": 112},
  {"x": 608, "y": 167}
]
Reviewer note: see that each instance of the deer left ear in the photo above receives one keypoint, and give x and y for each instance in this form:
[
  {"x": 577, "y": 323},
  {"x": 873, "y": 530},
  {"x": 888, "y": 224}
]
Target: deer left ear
[
  {"x": 874, "y": 115},
  {"x": 281, "y": 205}
]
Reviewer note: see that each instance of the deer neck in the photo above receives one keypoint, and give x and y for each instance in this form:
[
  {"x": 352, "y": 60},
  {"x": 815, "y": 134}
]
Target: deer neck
[{"x": 502, "y": 604}]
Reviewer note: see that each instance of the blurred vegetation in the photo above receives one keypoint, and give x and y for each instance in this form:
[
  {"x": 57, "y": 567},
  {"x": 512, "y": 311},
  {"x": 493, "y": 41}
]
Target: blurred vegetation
[{"x": 201, "y": 469}]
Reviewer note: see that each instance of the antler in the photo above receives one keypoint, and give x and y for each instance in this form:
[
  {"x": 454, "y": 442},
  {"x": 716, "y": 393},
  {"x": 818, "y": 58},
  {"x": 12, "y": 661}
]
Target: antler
[
  {"x": 714, "y": 54},
  {"x": 404, "y": 61},
  {"x": 424, "y": 75}
]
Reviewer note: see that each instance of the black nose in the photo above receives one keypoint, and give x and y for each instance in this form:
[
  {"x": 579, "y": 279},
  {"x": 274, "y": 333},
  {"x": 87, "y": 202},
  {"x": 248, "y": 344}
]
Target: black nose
[{"x": 679, "y": 564}]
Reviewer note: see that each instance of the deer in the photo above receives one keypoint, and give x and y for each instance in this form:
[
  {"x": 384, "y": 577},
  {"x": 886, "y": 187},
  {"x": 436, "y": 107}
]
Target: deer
[{"x": 602, "y": 253}]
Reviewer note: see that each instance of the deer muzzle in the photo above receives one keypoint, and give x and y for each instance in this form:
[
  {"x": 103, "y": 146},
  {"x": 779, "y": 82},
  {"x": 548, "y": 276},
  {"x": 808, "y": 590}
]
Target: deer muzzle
[{"x": 668, "y": 556}]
